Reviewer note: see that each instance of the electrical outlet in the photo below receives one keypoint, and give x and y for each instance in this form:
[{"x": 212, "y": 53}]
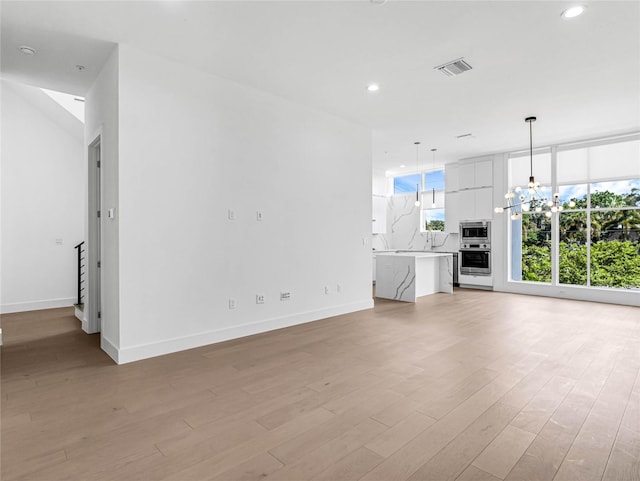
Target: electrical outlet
[
  {"x": 285, "y": 296},
  {"x": 339, "y": 288},
  {"x": 232, "y": 214},
  {"x": 326, "y": 290},
  {"x": 259, "y": 298},
  {"x": 259, "y": 216},
  {"x": 232, "y": 303}
]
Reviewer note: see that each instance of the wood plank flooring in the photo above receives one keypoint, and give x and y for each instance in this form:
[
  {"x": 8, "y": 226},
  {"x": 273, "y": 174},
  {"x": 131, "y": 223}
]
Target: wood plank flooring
[{"x": 471, "y": 386}]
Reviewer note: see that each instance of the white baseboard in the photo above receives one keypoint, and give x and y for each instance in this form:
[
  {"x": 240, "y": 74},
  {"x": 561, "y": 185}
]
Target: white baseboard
[
  {"x": 144, "y": 351},
  {"x": 107, "y": 346},
  {"x": 37, "y": 305}
]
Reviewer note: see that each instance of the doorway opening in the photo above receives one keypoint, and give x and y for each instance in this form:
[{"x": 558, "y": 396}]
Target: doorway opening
[{"x": 94, "y": 248}]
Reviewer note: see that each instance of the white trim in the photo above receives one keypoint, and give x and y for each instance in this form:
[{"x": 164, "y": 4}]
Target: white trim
[
  {"x": 94, "y": 202},
  {"x": 579, "y": 293},
  {"x": 107, "y": 346},
  {"x": 79, "y": 313},
  {"x": 37, "y": 305},
  {"x": 144, "y": 351}
]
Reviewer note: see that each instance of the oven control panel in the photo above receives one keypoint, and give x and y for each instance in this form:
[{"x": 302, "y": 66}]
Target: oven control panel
[{"x": 475, "y": 246}]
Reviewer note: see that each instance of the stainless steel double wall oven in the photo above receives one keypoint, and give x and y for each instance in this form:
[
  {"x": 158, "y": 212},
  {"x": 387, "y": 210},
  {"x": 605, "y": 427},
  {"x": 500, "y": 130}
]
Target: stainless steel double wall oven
[{"x": 475, "y": 248}]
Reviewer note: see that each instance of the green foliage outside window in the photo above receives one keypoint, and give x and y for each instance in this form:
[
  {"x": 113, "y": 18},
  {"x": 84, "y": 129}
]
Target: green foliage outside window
[
  {"x": 614, "y": 237},
  {"x": 434, "y": 225},
  {"x": 536, "y": 248}
]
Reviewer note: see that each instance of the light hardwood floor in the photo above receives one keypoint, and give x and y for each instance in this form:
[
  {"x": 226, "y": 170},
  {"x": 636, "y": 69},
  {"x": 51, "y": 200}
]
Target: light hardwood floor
[{"x": 471, "y": 386}]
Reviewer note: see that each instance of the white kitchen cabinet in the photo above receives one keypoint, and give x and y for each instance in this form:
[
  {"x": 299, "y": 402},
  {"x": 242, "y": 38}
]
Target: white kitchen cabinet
[
  {"x": 484, "y": 173},
  {"x": 475, "y": 204},
  {"x": 469, "y": 195},
  {"x": 475, "y": 174},
  {"x": 466, "y": 175},
  {"x": 379, "y": 223},
  {"x": 452, "y": 212},
  {"x": 484, "y": 203},
  {"x": 451, "y": 181}
]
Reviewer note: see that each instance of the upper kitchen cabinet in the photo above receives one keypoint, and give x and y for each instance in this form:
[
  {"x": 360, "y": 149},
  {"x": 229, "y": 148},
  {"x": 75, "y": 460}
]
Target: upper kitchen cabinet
[
  {"x": 452, "y": 212},
  {"x": 451, "y": 196},
  {"x": 379, "y": 224},
  {"x": 475, "y": 192},
  {"x": 475, "y": 174},
  {"x": 451, "y": 180},
  {"x": 475, "y": 204}
]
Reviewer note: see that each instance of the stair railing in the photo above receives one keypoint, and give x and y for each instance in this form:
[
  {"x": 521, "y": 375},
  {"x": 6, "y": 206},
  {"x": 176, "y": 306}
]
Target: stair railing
[{"x": 81, "y": 255}]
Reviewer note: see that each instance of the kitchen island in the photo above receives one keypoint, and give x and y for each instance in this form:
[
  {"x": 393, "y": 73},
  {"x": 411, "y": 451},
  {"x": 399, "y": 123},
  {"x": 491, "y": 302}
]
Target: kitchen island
[{"x": 405, "y": 276}]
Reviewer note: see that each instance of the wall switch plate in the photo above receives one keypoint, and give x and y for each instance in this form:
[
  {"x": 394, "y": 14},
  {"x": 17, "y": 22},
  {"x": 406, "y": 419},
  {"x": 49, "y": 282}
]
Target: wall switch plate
[
  {"x": 259, "y": 298},
  {"x": 285, "y": 296},
  {"x": 259, "y": 215},
  {"x": 111, "y": 213},
  {"x": 232, "y": 214},
  {"x": 339, "y": 288},
  {"x": 232, "y": 303},
  {"x": 326, "y": 290}
]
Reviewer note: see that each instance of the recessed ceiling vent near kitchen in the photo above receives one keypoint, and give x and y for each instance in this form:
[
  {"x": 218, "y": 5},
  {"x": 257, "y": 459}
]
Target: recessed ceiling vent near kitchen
[{"x": 453, "y": 68}]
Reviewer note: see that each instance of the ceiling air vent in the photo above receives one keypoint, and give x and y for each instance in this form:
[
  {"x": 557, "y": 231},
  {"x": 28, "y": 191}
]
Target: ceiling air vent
[{"x": 453, "y": 68}]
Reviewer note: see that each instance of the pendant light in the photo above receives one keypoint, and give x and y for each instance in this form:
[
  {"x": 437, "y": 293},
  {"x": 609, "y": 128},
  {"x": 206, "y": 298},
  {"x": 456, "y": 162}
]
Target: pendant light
[
  {"x": 417, "y": 202},
  {"x": 433, "y": 189},
  {"x": 530, "y": 197}
]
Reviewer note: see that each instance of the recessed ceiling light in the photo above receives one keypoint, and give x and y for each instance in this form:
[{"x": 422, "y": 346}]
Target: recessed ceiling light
[
  {"x": 373, "y": 88},
  {"x": 402, "y": 166},
  {"x": 573, "y": 11},
  {"x": 378, "y": 2},
  {"x": 27, "y": 50},
  {"x": 80, "y": 68}
]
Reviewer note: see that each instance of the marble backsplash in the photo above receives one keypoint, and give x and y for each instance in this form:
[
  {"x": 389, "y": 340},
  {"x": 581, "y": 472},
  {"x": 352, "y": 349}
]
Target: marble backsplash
[{"x": 403, "y": 230}]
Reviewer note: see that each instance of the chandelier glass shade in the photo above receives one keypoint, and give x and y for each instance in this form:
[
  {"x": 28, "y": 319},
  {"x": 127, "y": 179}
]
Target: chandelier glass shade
[{"x": 530, "y": 198}]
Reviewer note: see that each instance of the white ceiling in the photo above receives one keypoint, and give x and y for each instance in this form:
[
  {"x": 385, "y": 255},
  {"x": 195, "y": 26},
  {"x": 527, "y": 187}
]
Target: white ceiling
[{"x": 580, "y": 77}]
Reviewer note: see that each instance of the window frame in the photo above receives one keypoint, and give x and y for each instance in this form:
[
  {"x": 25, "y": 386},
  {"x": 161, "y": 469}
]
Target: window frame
[{"x": 555, "y": 220}]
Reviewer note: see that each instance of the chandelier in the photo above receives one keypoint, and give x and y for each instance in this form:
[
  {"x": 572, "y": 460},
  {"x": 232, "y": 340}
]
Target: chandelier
[{"x": 530, "y": 198}]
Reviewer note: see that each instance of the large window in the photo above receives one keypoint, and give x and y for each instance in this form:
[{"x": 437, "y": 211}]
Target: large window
[
  {"x": 407, "y": 183},
  {"x": 531, "y": 231},
  {"x": 595, "y": 240},
  {"x": 431, "y": 187},
  {"x": 433, "y": 212}
]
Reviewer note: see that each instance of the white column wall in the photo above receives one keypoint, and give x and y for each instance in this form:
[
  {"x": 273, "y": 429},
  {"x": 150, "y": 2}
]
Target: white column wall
[
  {"x": 102, "y": 118},
  {"x": 193, "y": 147}
]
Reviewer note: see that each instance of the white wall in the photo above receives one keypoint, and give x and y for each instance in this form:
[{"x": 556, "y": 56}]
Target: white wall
[
  {"x": 101, "y": 118},
  {"x": 193, "y": 146},
  {"x": 42, "y": 201}
]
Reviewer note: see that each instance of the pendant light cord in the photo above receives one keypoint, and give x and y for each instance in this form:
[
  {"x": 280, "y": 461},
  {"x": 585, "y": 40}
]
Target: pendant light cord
[
  {"x": 530, "y": 120},
  {"x": 530, "y": 148}
]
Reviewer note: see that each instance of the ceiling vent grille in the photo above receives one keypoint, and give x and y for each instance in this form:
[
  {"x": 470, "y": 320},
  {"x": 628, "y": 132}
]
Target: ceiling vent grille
[{"x": 453, "y": 68}]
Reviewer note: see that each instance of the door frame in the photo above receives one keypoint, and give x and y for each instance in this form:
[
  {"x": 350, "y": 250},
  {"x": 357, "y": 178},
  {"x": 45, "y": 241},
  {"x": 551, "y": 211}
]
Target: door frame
[{"x": 94, "y": 244}]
